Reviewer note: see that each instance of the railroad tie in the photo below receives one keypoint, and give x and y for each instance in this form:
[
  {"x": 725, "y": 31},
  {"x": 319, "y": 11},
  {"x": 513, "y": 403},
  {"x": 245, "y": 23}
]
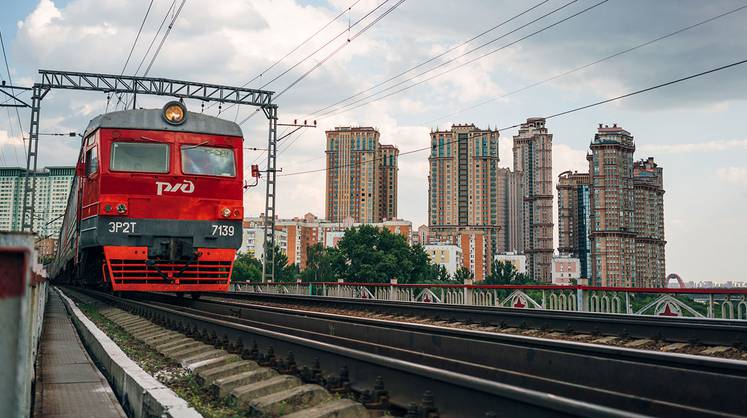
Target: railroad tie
[{"x": 261, "y": 390}]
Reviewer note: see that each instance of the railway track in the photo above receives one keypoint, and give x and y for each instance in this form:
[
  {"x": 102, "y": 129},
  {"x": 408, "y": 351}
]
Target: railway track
[
  {"x": 634, "y": 381},
  {"x": 713, "y": 332},
  {"x": 382, "y": 378}
]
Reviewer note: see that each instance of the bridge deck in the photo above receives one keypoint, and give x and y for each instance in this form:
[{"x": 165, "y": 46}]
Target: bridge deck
[{"x": 68, "y": 382}]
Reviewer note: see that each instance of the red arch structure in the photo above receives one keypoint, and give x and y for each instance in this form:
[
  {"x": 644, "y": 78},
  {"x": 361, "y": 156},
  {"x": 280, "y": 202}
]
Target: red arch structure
[{"x": 676, "y": 276}]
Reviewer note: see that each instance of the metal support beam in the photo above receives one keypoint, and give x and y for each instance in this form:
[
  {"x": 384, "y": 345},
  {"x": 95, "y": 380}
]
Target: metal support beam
[
  {"x": 110, "y": 83},
  {"x": 268, "y": 261},
  {"x": 154, "y": 86},
  {"x": 29, "y": 181}
]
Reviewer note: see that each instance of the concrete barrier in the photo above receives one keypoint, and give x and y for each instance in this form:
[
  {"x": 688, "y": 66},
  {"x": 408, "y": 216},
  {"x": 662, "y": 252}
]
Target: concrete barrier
[
  {"x": 141, "y": 394},
  {"x": 23, "y": 294}
]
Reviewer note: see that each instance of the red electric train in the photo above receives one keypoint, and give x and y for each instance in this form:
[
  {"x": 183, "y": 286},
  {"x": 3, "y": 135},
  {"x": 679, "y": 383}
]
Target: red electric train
[{"x": 156, "y": 204}]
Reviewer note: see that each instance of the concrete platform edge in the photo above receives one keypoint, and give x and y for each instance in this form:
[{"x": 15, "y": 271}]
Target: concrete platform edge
[{"x": 140, "y": 393}]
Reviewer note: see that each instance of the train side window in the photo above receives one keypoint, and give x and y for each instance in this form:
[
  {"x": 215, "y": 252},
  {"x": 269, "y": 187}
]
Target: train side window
[{"x": 92, "y": 161}]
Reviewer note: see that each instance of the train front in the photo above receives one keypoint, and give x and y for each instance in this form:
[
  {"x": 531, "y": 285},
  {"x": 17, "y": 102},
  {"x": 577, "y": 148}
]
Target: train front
[{"x": 165, "y": 204}]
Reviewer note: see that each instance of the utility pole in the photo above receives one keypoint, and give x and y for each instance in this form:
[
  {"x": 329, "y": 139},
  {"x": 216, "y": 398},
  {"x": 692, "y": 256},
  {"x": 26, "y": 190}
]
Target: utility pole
[{"x": 268, "y": 261}]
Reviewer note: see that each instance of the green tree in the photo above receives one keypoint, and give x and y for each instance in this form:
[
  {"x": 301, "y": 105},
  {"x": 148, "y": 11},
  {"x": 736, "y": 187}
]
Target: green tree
[
  {"x": 441, "y": 273},
  {"x": 372, "y": 255},
  {"x": 320, "y": 263},
  {"x": 462, "y": 274},
  {"x": 502, "y": 272},
  {"x": 246, "y": 268}
]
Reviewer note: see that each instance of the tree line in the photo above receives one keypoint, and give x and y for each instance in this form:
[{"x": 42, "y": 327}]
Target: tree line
[{"x": 367, "y": 254}]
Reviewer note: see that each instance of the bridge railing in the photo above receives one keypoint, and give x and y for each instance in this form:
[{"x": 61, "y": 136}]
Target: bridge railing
[
  {"x": 718, "y": 303},
  {"x": 23, "y": 294}
]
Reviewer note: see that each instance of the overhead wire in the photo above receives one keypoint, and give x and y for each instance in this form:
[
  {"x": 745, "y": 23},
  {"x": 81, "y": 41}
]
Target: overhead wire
[
  {"x": 365, "y": 101},
  {"x": 147, "y": 51},
  {"x": 551, "y": 116},
  {"x": 13, "y": 93},
  {"x": 332, "y": 53},
  {"x": 296, "y": 48},
  {"x": 582, "y": 67},
  {"x": 132, "y": 49},
  {"x": 557, "y": 9},
  {"x": 307, "y": 57},
  {"x": 435, "y": 57},
  {"x": 592, "y": 63}
]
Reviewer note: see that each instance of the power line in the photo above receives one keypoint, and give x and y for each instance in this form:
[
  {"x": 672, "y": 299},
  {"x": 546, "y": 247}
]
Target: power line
[
  {"x": 331, "y": 54},
  {"x": 165, "y": 35},
  {"x": 137, "y": 37},
  {"x": 350, "y": 106},
  {"x": 342, "y": 109},
  {"x": 304, "y": 42},
  {"x": 160, "y": 45},
  {"x": 435, "y": 57},
  {"x": 598, "y": 61},
  {"x": 554, "y": 115},
  {"x": 289, "y": 53},
  {"x": 12, "y": 91},
  {"x": 147, "y": 51},
  {"x": 326, "y": 44},
  {"x": 334, "y": 38}
]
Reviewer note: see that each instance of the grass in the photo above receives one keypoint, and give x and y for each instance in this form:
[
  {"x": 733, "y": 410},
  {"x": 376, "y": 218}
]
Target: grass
[{"x": 166, "y": 371}]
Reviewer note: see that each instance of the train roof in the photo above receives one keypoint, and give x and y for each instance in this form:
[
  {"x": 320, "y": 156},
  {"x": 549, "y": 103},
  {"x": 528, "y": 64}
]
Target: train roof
[{"x": 151, "y": 119}]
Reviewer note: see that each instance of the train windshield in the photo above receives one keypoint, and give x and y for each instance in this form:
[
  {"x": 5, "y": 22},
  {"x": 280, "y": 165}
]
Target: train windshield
[
  {"x": 208, "y": 161},
  {"x": 140, "y": 157}
]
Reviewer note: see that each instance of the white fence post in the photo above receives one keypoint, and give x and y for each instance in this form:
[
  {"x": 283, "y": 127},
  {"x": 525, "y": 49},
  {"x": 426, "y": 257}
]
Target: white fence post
[
  {"x": 393, "y": 289},
  {"x": 468, "y": 292}
]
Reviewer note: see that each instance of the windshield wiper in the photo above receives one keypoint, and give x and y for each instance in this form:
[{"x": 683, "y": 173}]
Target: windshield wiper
[{"x": 194, "y": 146}]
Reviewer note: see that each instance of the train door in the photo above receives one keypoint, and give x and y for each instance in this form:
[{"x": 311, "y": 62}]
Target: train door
[{"x": 89, "y": 174}]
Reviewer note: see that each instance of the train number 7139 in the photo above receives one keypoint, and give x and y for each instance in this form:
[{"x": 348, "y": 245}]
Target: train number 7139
[{"x": 223, "y": 230}]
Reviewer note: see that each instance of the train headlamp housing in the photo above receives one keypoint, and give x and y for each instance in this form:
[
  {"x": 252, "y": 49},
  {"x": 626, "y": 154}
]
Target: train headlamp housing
[
  {"x": 121, "y": 208},
  {"x": 174, "y": 113}
]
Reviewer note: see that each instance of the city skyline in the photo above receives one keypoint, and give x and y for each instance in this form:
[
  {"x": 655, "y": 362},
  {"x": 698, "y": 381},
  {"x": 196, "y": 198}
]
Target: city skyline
[{"x": 689, "y": 129}]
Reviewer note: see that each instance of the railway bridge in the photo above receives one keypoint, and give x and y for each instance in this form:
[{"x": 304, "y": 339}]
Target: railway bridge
[{"x": 361, "y": 349}]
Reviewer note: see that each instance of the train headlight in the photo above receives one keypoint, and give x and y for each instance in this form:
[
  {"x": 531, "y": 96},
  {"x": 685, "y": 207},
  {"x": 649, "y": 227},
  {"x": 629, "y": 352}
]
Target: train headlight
[
  {"x": 226, "y": 212},
  {"x": 174, "y": 113},
  {"x": 121, "y": 208}
]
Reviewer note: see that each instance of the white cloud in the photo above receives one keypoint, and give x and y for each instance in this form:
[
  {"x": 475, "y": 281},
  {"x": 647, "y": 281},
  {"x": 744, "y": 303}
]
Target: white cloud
[
  {"x": 734, "y": 175},
  {"x": 708, "y": 146}
]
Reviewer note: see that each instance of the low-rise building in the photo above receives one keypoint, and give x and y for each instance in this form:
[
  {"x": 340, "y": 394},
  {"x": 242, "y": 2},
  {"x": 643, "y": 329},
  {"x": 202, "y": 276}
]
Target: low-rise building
[
  {"x": 296, "y": 235},
  {"x": 518, "y": 260},
  {"x": 447, "y": 255},
  {"x": 565, "y": 270}
]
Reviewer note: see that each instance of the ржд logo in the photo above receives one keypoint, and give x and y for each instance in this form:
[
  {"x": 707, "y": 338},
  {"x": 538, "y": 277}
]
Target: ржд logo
[{"x": 164, "y": 186}]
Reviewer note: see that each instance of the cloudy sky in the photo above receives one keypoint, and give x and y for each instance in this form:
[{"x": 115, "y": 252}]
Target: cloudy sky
[{"x": 695, "y": 130}]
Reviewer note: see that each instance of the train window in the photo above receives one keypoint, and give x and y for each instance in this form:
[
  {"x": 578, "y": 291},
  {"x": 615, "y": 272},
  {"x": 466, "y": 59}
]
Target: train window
[
  {"x": 92, "y": 161},
  {"x": 208, "y": 161},
  {"x": 140, "y": 157}
]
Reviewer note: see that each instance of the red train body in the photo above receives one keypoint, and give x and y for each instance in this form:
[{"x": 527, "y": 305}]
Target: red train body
[{"x": 155, "y": 205}]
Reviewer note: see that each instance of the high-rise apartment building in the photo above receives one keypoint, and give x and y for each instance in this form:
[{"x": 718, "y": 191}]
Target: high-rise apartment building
[
  {"x": 388, "y": 182},
  {"x": 573, "y": 218},
  {"x": 463, "y": 192},
  {"x": 533, "y": 157},
  {"x": 357, "y": 168},
  {"x": 52, "y": 191},
  {"x": 510, "y": 211},
  {"x": 612, "y": 218},
  {"x": 612, "y": 229},
  {"x": 648, "y": 191}
]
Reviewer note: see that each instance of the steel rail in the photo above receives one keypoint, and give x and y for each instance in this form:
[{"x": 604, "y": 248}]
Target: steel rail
[
  {"x": 632, "y": 380},
  {"x": 692, "y": 330},
  {"x": 456, "y": 394}
]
